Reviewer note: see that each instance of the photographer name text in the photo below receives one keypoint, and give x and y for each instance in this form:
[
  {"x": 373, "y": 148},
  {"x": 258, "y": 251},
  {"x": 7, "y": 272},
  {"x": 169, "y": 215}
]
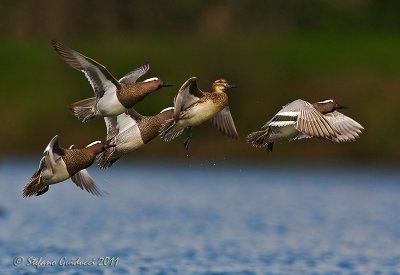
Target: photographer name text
[{"x": 40, "y": 262}]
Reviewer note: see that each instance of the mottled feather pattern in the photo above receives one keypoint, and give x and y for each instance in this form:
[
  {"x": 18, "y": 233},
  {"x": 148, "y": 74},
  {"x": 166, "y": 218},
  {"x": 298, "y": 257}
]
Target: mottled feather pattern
[
  {"x": 128, "y": 130},
  {"x": 77, "y": 159},
  {"x": 193, "y": 107},
  {"x": 33, "y": 186},
  {"x": 58, "y": 164},
  {"x": 150, "y": 125},
  {"x": 131, "y": 94},
  {"x": 84, "y": 110},
  {"x": 258, "y": 139}
]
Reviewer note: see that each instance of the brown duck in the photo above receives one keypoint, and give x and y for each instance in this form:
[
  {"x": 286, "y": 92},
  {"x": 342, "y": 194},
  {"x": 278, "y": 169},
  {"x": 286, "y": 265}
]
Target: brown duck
[
  {"x": 130, "y": 131},
  {"x": 59, "y": 164},
  {"x": 112, "y": 96},
  {"x": 193, "y": 107}
]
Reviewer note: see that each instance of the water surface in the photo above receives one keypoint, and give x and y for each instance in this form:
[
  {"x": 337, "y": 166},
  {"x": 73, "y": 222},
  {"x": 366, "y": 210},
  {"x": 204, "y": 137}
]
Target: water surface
[{"x": 204, "y": 219}]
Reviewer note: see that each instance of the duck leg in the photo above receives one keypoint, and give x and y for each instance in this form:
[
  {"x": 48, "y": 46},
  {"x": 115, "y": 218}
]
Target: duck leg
[
  {"x": 189, "y": 137},
  {"x": 270, "y": 146}
]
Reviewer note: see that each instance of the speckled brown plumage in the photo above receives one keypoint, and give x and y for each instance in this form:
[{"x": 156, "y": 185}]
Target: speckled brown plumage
[
  {"x": 149, "y": 126},
  {"x": 131, "y": 94},
  {"x": 78, "y": 159},
  {"x": 59, "y": 164},
  {"x": 137, "y": 130},
  {"x": 112, "y": 96},
  {"x": 193, "y": 107}
]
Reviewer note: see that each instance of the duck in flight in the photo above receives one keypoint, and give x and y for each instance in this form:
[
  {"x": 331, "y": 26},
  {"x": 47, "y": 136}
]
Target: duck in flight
[
  {"x": 59, "y": 164},
  {"x": 130, "y": 131},
  {"x": 301, "y": 119},
  {"x": 112, "y": 96},
  {"x": 193, "y": 106}
]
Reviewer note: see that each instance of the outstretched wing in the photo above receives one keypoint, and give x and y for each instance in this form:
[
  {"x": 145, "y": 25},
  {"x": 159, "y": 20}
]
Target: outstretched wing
[
  {"x": 305, "y": 118},
  {"x": 99, "y": 77},
  {"x": 188, "y": 94},
  {"x": 313, "y": 123},
  {"x": 349, "y": 129},
  {"x": 84, "y": 181},
  {"x": 133, "y": 76},
  {"x": 223, "y": 121}
]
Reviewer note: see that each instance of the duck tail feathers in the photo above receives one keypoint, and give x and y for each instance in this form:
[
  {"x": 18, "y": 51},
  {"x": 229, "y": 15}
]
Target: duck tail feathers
[
  {"x": 34, "y": 188},
  {"x": 84, "y": 110},
  {"x": 170, "y": 130},
  {"x": 107, "y": 158},
  {"x": 260, "y": 139}
]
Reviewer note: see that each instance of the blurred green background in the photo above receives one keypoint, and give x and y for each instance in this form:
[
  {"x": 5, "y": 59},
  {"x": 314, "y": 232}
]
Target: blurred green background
[{"x": 274, "y": 51}]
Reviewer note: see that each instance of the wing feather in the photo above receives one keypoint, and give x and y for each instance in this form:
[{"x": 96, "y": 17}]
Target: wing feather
[
  {"x": 223, "y": 121},
  {"x": 111, "y": 126},
  {"x": 349, "y": 129},
  {"x": 83, "y": 180},
  {"x": 309, "y": 117},
  {"x": 101, "y": 80},
  {"x": 133, "y": 76},
  {"x": 188, "y": 94}
]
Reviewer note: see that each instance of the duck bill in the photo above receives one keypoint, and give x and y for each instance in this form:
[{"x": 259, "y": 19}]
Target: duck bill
[
  {"x": 230, "y": 86},
  {"x": 339, "y": 106},
  {"x": 166, "y": 84}
]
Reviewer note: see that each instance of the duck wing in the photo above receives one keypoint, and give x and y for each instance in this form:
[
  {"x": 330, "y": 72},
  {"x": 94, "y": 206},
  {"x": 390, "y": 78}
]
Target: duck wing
[
  {"x": 118, "y": 124},
  {"x": 52, "y": 153},
  {"x": 223, "y": 121},
  {"x": 133, "y": 76},
  {"x": 83, "y": 180},
  {"x": 349, "y": 129},
  {"x": 101, "y": 80},
  {"x": 188, "y": 94},
  {"x": 305, "y": 118},
  {"x": 111, "y": 126}
]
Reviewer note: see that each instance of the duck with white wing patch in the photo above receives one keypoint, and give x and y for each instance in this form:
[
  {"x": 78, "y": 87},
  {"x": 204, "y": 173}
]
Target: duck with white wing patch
[
  {"x": 300, "y": 119},
  {"x": 112, "y": 96},
  {"x": 59, "y": 164},
  {"x": 130, "y": 131}
]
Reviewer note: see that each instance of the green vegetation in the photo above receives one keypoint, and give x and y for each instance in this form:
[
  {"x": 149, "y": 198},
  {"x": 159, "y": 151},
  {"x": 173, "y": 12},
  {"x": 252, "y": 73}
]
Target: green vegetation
[
  {"x": 275, "y": 51},
  {"x": 360, "y": 71}
]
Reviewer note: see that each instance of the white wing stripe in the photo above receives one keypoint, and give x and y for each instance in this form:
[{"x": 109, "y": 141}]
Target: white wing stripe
[
  {"x": 90, "y": 80},
  {"x": 288, "y": 113},
  {"x": 281, "y": 123},
  {"x": 151, "y": 79}
]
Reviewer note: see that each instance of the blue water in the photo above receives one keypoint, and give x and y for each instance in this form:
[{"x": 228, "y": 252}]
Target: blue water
[{"x": 204, "y": 219}]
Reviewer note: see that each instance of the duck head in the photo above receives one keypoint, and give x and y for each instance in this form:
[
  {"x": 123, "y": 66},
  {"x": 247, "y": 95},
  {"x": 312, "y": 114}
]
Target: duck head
[
  {"x": 157, "y": 83},
  {"x": 99, "y": 146},
  {"x": 328, "y": 106},
  {"x": 221, "y": 85}
]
